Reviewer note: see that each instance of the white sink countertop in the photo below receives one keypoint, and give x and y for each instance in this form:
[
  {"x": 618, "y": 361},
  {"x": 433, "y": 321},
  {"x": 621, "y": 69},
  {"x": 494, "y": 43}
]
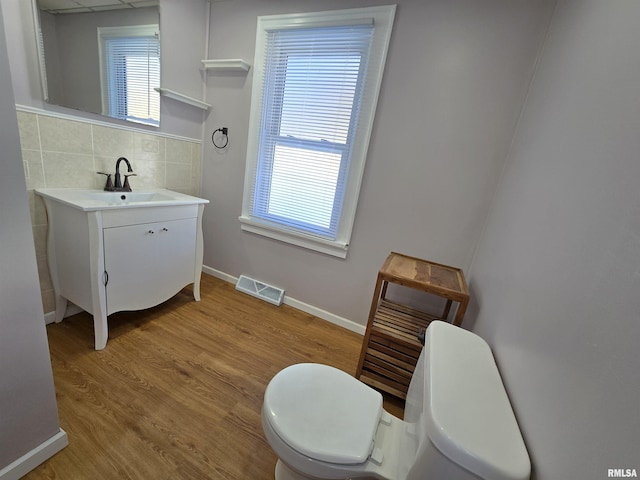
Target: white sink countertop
[{"x": 90, "y": 200}]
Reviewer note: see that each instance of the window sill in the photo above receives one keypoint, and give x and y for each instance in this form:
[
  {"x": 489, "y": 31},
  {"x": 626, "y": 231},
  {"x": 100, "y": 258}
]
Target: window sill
[{"x": 334, "y": 248}]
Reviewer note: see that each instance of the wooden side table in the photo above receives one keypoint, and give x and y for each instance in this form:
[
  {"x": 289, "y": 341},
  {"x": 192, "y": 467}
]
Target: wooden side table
[{"x": 391, "y": 348}]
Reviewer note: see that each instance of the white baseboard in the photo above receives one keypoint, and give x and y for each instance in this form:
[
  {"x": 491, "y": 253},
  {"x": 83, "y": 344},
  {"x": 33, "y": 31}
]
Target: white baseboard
[
  {"x": 71, "y": 310},
  {"x": 49, "y": 317},
  {"x": 35, "y": 457},
  {"x": 218, "y": 274},
  {"x": 305, "y": 307}
]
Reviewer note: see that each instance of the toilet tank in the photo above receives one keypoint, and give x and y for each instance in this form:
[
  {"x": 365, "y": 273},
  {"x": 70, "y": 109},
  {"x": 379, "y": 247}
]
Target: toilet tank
[{"x": 459, "y": 422}]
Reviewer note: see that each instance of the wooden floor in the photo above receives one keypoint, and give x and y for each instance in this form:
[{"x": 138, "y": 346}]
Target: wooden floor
[{"x": 177, "y": 392}]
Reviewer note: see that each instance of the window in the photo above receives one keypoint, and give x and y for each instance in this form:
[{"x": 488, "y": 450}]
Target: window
[
  {"x": 316, "y": 83},
  {"x": 130, "y": 72}
]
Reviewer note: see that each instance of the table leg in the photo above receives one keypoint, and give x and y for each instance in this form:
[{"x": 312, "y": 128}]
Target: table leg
[
  {"x": 380, "y": 286},
  {"x": 447, "y": 309},
  {"x": 457, "y": 321}
]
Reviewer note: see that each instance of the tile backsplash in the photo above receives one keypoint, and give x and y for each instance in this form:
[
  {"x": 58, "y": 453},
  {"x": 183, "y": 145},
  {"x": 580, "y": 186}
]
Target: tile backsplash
[{"x": 63, "y": 153}]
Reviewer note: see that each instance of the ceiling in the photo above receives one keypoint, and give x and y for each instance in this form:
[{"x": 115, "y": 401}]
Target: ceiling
[{"x": 80, "y": 6}]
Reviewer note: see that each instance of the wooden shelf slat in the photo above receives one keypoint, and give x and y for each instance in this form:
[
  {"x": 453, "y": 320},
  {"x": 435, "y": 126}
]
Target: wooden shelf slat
[
  {"x": 400, "y": 323},
  {"x": 380, "y": 369},
  {"x": 390, "y": 348},
  {"x": 392, "y": 363},
  {"x": 384, "y": 384}
]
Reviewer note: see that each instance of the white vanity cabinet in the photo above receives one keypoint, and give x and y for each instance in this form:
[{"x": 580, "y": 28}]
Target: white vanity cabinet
[
  {"x": 115, "y": 257},
  {"x": 147, "y": 263}
]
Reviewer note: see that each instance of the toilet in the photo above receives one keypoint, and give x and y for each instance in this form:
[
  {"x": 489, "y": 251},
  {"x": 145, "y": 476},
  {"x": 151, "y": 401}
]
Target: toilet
[{"x": 458, "y": 422}]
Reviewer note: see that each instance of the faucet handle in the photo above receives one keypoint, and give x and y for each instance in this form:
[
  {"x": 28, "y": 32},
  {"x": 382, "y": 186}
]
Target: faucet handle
[
  {"x": 109, "y": 185},
  {"x": 126, "y": 187}
]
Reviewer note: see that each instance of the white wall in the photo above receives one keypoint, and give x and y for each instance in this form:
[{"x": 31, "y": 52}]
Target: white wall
[
  {"x": 556, "y": 280},
  {"x": 182, "y": 26},
  {"x": 456, "y": 76},
  {"x": 28, "y": 410}
]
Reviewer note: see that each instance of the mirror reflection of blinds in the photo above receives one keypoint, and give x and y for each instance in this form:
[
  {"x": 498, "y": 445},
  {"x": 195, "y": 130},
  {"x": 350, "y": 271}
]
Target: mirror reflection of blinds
[
  {"x": 313, "y": 85},
  {"x": 133, "y": 71}
]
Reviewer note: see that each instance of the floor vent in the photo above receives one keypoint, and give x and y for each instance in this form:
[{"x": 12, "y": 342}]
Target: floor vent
[{"x": 260, "y": 290}]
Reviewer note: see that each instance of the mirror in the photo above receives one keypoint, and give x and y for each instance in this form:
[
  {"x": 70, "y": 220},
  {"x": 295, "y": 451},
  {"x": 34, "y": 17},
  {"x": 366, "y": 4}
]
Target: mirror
[{"x": 101, "y": 58}]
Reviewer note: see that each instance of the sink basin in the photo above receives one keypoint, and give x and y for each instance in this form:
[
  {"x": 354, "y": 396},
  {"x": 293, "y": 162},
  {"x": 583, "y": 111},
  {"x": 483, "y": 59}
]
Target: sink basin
[
  {"x": 129, "y": 197},
  {"x": 90, "y": 200}
]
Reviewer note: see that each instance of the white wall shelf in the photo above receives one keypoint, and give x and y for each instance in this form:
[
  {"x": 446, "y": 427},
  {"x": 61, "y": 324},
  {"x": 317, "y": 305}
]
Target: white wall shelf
[
  {"x": 165, "y": 92},
  {"x": 230, "y": 65}
]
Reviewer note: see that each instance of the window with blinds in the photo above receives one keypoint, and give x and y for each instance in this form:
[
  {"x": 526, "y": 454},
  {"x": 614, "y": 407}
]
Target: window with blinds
[
  {"x": 316, "y": 82},
  {"x": 130, "y": 62}
]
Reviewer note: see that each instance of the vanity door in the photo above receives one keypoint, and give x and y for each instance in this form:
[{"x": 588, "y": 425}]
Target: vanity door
[{"x": 146, "y": 264}]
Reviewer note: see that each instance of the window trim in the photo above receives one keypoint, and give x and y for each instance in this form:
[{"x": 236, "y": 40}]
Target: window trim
[{"x": 382, "y": 17}]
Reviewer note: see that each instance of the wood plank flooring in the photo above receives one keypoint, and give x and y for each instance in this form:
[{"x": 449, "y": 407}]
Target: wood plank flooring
[{"x": 177, "y": 392}]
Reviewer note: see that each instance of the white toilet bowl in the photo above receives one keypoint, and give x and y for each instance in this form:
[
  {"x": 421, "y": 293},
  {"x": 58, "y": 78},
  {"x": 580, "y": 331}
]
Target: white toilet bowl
[
  {"x": 325, "y": 424},
  {"x": 458, "y": 423}
]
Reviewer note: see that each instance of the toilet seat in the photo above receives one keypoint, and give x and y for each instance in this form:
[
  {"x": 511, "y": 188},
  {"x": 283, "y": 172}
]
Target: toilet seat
[{"x": 323, "y": 413}]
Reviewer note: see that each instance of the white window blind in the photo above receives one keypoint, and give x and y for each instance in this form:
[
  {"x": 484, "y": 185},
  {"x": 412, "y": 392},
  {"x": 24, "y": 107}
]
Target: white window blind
[
  {"x": 131, "y": 57},
  {"x": 312, "y": 90},
  {"x": 318, "y": 85}
]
